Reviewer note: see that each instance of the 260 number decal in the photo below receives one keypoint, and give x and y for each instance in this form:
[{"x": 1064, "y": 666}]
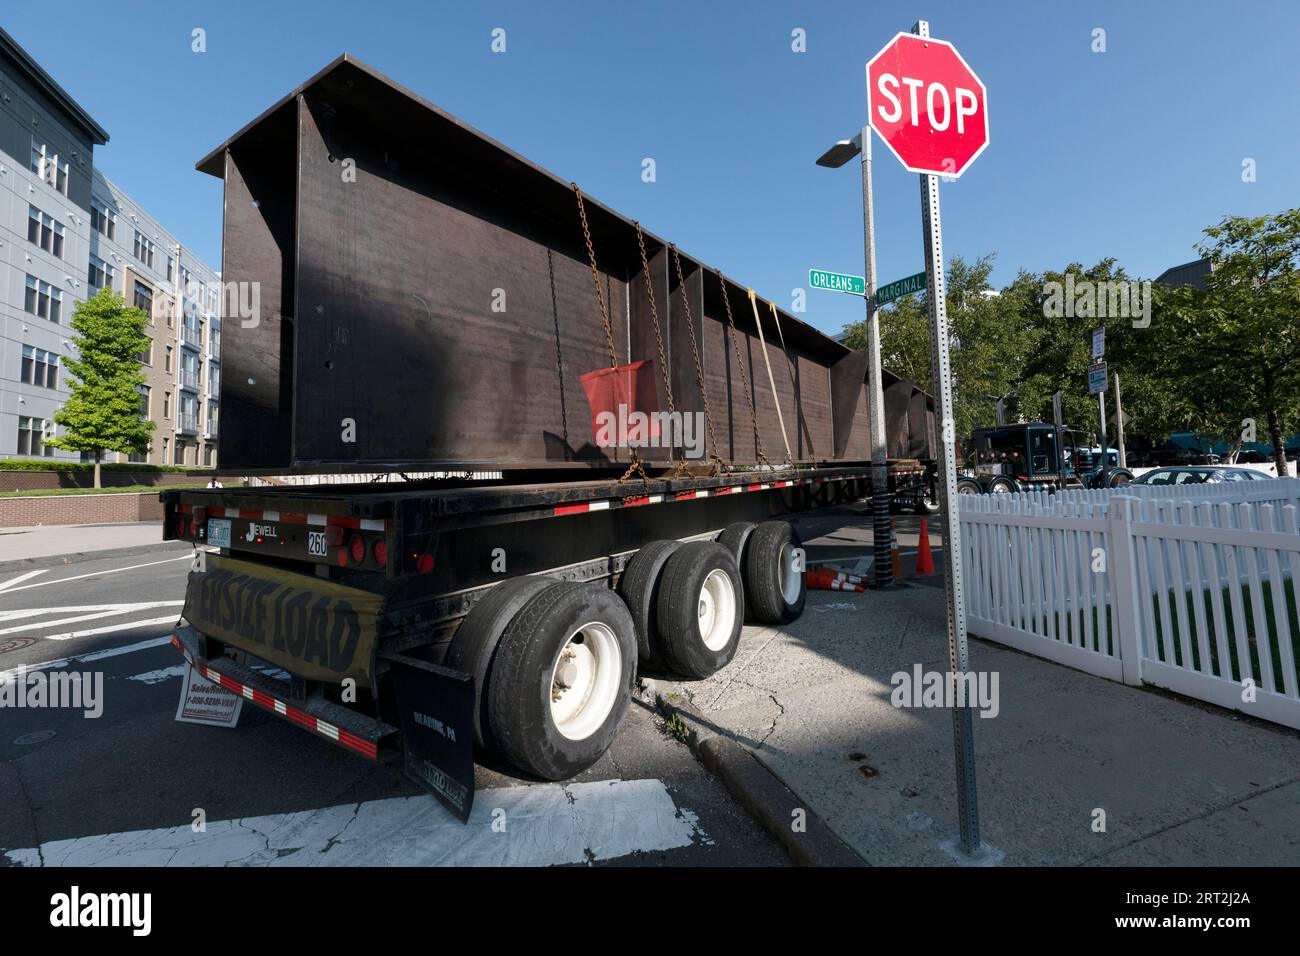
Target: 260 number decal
[{"x": 316, "y": 543}]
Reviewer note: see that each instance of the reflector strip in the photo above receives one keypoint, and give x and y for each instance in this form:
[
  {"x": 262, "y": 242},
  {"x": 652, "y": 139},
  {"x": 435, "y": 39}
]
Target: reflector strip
[{"x": 366, "y": 748}]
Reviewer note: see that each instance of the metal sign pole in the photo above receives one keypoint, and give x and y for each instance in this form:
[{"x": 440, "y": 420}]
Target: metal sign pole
[
  {"x": 941, "y": 379},
  {"x": 882, "y": 563}
]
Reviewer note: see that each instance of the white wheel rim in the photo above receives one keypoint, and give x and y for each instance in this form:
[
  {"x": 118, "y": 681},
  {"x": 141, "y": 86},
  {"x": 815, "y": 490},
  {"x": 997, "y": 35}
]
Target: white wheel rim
[
  {"x": 1001, "y": 489},
  {"x": 584, "y": 681},
  {"x": 716, "y": 610},
  {"x": 791, "y": 578}
]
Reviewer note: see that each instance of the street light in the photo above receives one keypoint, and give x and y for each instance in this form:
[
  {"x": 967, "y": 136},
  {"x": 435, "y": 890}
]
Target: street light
[
  {"x": 841, "y": 152},
  {"x": 835, "y": 157}
]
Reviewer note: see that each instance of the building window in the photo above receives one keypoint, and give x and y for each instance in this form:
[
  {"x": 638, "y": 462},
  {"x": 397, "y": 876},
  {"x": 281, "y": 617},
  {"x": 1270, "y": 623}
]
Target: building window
[
  {"x": 167, "y": 360},
  {"x": 43, "y": 231},
  {"x": 145, "y": 357},
  {"x": 180, "y": 453},
  {"x": 143, "y": 299},
  {"x": 144, "y": 400},
  {"x": 164, "y": 451},
  {"x": 167, "y": 405},
  {"x": 103, "y": 219},
  {"x": 43, "y": 300},
  {"x": 31, "y": 437},
  {"x": 171, "y": 268},
  {"x": 144, "y": 249},
  {"x": 40, "y": 368},
  {"x": 46, "y": 164},
  {"x": 100, "y": 275}
]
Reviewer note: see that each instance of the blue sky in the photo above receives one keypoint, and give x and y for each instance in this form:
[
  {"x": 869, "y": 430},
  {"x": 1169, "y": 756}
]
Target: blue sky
[{"x": 1128, "y": 153}]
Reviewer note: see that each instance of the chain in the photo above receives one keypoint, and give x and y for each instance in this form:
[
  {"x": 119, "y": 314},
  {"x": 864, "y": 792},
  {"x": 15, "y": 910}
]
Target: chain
[
  {"x": 719, "y": 465},
  {"x": 744, "y": 378},
  {"x": 595, "y": 278},
  {"x": 654, "y": 315}
]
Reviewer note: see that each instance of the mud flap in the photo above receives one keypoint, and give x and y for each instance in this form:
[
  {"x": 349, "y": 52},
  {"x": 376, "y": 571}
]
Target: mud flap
[{"x": 436, "y": 706}]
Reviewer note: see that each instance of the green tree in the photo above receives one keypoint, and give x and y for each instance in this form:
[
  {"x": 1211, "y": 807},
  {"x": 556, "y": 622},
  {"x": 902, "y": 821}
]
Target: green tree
[
  {"x": 1243, "y": 331},
  {"x": 989, "y": 341},
  {"x": 103, "y": 412}
]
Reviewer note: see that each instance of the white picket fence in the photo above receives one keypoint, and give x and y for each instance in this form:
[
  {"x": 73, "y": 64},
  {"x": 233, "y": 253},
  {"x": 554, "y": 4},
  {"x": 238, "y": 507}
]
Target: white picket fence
[{"x": 1185, "y": 587}]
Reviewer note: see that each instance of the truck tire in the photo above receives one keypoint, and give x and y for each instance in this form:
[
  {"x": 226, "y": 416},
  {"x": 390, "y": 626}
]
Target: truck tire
[
  {"x": 969, "y": 486},
  {"x": 1002, "y": 485},
  {"x": 562, "y": 679},
  {"x": 734, "y": 538},
  {"x": 475, "y": 642},
  {"x": 777, "y": 589},
  {"x": 927, "y": 502},
  {"x": 639, "y": 588},
  {"x": 701, "y": 606}
]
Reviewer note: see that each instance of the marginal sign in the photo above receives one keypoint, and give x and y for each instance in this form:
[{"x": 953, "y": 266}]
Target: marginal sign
[
  {"x": 900, "y": 287},
  {"x": 837, "y": 282}
]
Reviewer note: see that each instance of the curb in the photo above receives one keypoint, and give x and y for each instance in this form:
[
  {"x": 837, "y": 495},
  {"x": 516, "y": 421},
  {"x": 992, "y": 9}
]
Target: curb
[
  {"x": 762, "y": 792},
  {"x": 59, "y": 560}
]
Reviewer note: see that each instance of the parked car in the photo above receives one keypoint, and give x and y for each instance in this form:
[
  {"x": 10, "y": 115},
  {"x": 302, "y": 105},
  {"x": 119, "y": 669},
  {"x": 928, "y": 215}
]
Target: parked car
[{"x": 1198, "y": 476}]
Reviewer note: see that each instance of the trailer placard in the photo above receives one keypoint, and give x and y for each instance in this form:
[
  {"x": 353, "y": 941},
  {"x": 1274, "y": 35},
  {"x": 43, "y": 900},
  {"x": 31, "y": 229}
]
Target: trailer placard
[{"x": 311, "y": 627}]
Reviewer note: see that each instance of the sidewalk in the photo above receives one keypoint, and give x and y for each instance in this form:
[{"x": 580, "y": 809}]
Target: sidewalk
[
  {"x": 67, "y": 544},
  {"x": 1179, "y": 783}
]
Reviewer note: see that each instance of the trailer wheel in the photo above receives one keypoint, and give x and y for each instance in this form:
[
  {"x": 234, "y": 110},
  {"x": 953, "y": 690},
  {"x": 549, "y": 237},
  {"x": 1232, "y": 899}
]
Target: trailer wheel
[
  {"x": 774, "y": 578},
  {"x": 926, "y": 503},
  {"x": 639, "y": 588},
  {"x": 1003, "y": 486},
  {"x": 969, "y": 486},
  {"x": 562, "y": 679},
  {"x": 475, "y": 642},
  {"x": 701, "y": 602},
  {"x": 735, "y": 537}
]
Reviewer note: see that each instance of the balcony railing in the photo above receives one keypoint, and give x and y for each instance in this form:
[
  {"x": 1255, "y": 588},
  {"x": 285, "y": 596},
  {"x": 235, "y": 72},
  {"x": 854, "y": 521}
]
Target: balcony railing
[
  {"x": 189, "y": 378},
  {"x": 191, "y": 337},
  {"x": 210, "y": 431},
  {"x": 188, "y": 424}
]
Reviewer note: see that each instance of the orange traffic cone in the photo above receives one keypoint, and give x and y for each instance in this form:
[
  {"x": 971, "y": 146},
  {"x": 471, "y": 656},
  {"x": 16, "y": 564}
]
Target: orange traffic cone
[
  {"x": 924, "y": 560},
  {"x": 893, "y": 549}
]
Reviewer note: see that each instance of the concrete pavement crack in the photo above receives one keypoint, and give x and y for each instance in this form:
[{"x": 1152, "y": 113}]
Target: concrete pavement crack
[
  {"x": 771, "y": 730},
  {"x": 1208, "y": 812},
  {"x": 329, "y": 844},
  {"x": 27, "y": 805}
]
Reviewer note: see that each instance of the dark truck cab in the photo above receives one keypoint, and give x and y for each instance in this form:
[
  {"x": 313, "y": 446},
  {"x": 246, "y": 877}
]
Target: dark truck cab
[{"x": 1013, "y": 458}]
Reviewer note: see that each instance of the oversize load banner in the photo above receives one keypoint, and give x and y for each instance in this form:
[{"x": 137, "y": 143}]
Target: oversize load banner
[{"x": 311, "y": 627}]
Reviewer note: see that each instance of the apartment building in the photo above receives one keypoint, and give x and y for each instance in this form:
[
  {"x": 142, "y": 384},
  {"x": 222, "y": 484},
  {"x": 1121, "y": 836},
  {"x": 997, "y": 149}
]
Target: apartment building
[
  {"x": 153, "y": 271},
  {"x": 66, "y": 230}
]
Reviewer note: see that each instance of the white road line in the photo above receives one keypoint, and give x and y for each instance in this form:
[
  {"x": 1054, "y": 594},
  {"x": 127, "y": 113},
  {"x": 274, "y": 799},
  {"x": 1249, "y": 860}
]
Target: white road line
[
  {"x": 85, "y": 658},
  {"x": 107, "y": 611},
  {"x": 21, "y": 613},
  {"x": 158, "y": 676},
  {"x": 21, "y": 578},
  {"x": 112, "y": 628},
  {"x": 545, "y": 824},
  {"x": 95, "y": 574}
]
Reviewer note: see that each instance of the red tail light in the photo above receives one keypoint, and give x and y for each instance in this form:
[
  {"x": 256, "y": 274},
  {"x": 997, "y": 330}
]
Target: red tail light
[
  {"x": 381, "y": 554},
  {"x": 424, "y": 563},
  {"x": 180, "y": 525},
  {"x": 358, "y": 549}
]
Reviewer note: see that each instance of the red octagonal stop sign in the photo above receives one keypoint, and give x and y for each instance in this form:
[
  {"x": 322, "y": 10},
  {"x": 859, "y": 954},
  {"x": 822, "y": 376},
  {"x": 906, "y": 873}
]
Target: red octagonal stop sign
[{"x": 927, "y": 105}]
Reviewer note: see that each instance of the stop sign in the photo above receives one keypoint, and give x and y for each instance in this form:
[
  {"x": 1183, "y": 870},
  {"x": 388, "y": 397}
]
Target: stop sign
[{"x": 927, "y": 105}]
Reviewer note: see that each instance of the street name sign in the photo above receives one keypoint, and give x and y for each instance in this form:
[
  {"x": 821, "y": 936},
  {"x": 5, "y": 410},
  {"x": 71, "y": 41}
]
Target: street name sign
[
  {"x": 900, "y": 287},
  {"x": 837, "y": 282}
]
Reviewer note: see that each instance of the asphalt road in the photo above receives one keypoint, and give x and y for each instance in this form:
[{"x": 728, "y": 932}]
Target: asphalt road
[{"x": 126, "y": 787}]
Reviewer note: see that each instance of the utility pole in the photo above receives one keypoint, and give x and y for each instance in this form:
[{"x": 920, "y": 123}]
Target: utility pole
[
  {"x": 882, "y": 563},
  {"x": 1119, "y": 424}
]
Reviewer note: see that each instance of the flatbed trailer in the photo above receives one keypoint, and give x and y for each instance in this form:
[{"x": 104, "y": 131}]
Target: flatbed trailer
[{"x": 378, "y": 616}]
